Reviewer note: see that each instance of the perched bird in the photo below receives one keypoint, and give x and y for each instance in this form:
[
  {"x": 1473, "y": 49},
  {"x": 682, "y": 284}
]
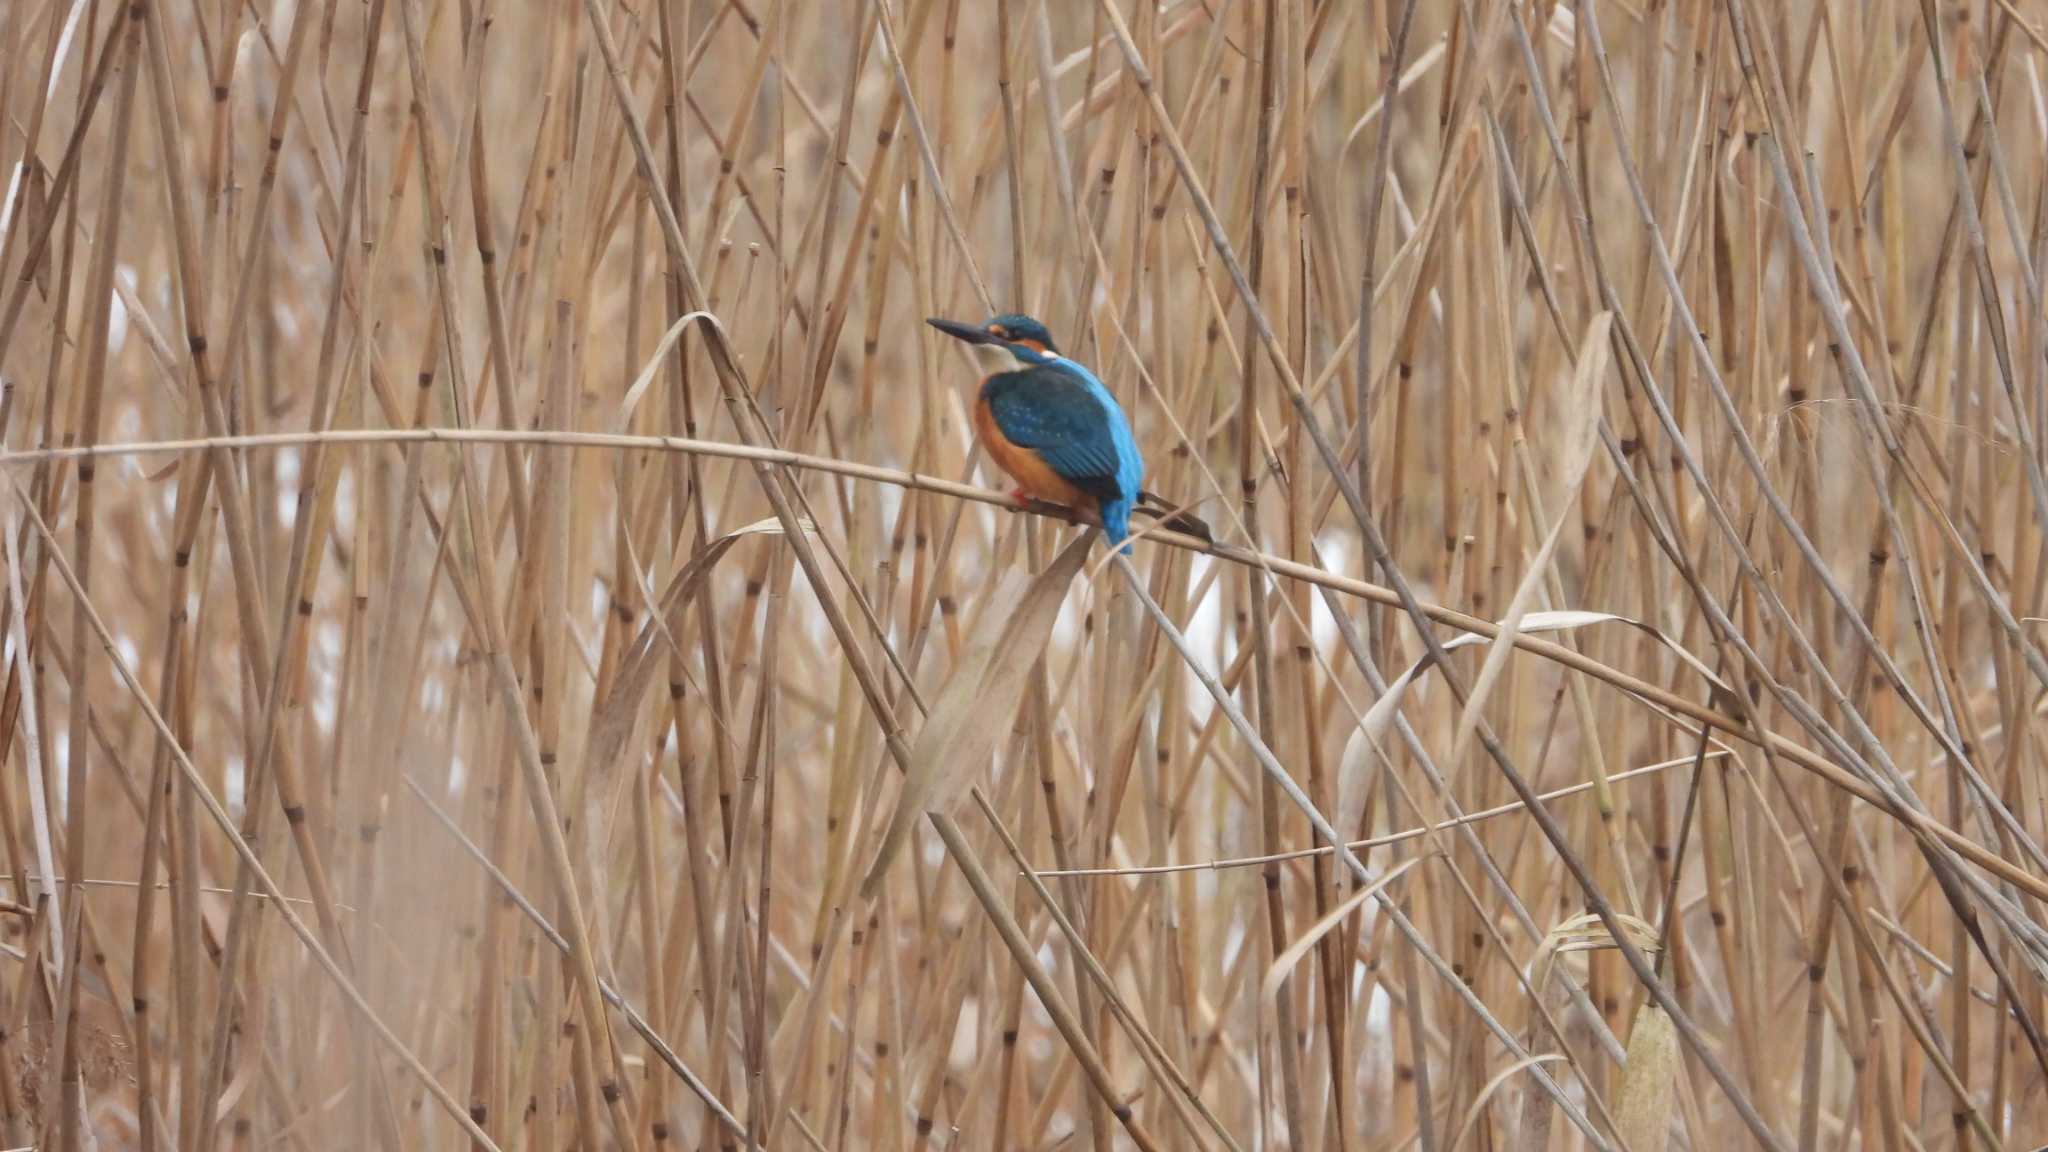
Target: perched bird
[{"x": 1053, "y": 427}]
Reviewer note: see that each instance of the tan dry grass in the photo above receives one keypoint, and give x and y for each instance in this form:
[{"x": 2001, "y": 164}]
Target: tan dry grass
[{"x": 400, "y": 393}]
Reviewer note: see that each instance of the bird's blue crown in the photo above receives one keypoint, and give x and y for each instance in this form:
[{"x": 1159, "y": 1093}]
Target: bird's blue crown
[{"x": 1017, "y": 328}]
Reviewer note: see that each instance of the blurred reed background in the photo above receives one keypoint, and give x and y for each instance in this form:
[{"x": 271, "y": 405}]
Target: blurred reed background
[{"x": 485, "y": 519}]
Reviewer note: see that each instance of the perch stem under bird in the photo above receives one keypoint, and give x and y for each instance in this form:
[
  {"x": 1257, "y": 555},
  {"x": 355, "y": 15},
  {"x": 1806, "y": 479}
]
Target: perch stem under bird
[{"x": 1052, "y": 426}]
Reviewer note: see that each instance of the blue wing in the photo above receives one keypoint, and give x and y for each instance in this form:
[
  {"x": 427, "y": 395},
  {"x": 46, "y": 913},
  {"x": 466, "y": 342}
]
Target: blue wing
[
  {"x": 1072, "y": 430},
  {"x": 1060, "y": 411}
]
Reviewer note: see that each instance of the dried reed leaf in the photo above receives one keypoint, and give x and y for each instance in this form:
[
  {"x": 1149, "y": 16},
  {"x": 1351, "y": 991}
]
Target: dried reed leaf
[
  {"x": 1358, "y": 769},
  {"x": 1642, "y": 1111},
  {"x": 1362, "y": 755},
  {"x": 1276, "y": 973},
  {"x": 631, "y": 399},
  {"x": 35, "y": 195},
  {"x": 1587, "y": 933},
  {"x": 1503, "y": 643},
  {"x": 1582, "y": 409},
  {"x": 612, "y": 723},
  {"x": 977, "y": 704},
  {"x": 1486, "y": 1093},
  {"x": 1582, "y": 423}
]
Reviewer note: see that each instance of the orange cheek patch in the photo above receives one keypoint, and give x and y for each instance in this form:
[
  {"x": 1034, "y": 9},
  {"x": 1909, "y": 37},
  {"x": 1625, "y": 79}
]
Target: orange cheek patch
[{"x": 1034, "y": 345}]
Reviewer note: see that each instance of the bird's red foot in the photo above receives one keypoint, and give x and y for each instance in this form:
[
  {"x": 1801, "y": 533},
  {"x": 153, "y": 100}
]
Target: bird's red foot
[{"x": 1020, "y": 497}]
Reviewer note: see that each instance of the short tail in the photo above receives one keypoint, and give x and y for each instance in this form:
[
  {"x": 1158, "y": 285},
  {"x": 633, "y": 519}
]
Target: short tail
[{"x": 1116, "y": 523}]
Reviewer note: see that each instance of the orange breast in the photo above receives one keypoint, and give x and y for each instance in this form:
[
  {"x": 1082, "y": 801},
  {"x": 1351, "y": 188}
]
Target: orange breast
[{"x": 1024, "y": 465}]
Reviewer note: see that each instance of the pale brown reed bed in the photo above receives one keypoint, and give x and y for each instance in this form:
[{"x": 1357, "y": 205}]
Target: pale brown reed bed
[{"x": 400, "y": 394}]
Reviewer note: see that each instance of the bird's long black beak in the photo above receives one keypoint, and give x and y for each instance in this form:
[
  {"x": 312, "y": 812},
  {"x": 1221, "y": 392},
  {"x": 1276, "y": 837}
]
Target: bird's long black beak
[{"x": 969, "y": 333}]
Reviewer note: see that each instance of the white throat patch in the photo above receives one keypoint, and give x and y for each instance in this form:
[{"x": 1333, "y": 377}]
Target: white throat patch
[{"x": 995, "y": 358}]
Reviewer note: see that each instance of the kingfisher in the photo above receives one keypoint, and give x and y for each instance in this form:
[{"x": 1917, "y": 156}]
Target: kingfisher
[{"x": 1051, "y": 425}]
